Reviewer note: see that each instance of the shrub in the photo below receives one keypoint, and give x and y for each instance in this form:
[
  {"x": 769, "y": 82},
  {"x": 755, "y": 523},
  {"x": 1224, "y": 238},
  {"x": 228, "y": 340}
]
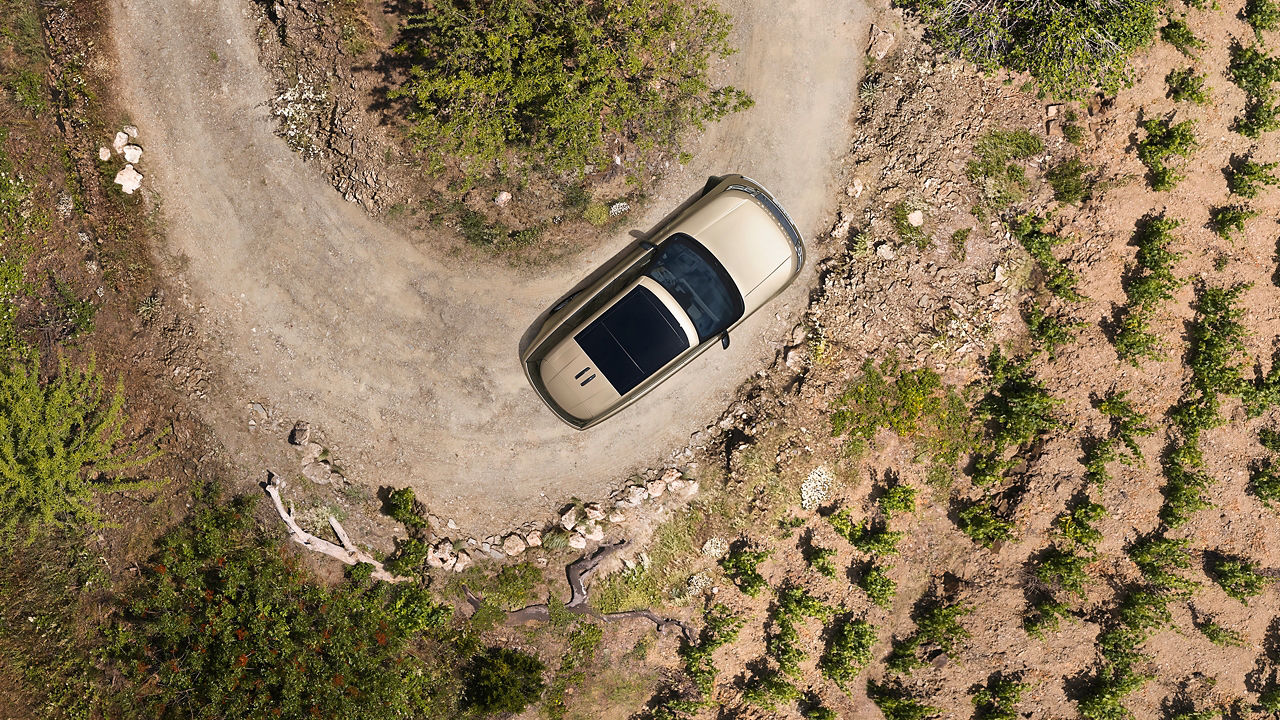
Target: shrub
[
  {"x": 1262, "y": 15},
  {"x": 1176, "y": 33},
  {"x": 898, "y": 499},
  {"x": 1127, "y": 424},
  {"x": 1221, "y": 636},
  {"x": 409, "y": 557},
  {"x": 1269, "y": 439},
  {"x": 1184, "y": 492},
  {"x": 1187, "y": 85},
  {"x": 1049, "y": 332},
  {"x": 1228, "y": 220},
  {"x": 720, "y": 627},
  {"x": 896, "y": 704},
  {"x": 1060, "y": 280},
  {"x": 402, "y": 507},
  {"x": 1253, "y": 70},
  {"x": 740, "y": 565},
  {"x": 1261, "y": 115},
  {"x": 848, "y": 651},
  {"x": 767, "y": 689},
  {"x": 597, "y": 214},
  {"x": 1064, "y": 569},
  {"x": 782, "y": 643},
  {"x": 822, "y": 560},
  {"x": 503, "y": 680},
  {"x": 999, "y": 699},
  {"x": 981, "y": 523},
  {"x": 1149, "y": 282},
  {"x": 1164, "y": 141},
  {"x": 1245, "y": 179},
  {"x": 1046, "y": 616},
  {"x": 1017, "y": 410},
  {"x": 879, "y": 587},
  {"x": 1264, "y": 482},
  {"x": 1000, "y": 179},
  {"x": 1068, "y": 180},
  {"x": 1237, "y": 577},
  {"x": 1077, "y": 526},
  {"x": 1067, "y": 48},
  {"x": 61, "y": 443},
  {"x": 225, "y": 625},
  {"x": 937, "y": 626},
  {"x": 493, "y": 78}
]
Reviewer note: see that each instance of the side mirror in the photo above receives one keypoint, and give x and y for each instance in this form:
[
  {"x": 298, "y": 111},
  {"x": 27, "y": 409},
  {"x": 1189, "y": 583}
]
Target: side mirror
[
  {"x": 645, "y": 244},
  {"x": 724, "y": 339}
]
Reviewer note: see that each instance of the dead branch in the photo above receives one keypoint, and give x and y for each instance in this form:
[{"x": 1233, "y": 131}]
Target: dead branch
[
  {"x": 578, "y": 573},
  {"x": 347, "y": 552}
]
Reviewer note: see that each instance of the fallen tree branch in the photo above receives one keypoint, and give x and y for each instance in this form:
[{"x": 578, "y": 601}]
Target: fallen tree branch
[
  {"x": 578, "y": 573},
  {"x": 347, "y": 552}
]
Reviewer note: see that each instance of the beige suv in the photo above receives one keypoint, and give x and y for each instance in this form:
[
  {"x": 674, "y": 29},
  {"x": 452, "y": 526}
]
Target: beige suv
[{"x": 660, "y": 306}]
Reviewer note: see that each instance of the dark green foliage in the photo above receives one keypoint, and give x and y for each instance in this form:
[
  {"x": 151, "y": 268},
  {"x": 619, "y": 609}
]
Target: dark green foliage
[
  {"x": 70, "y": 316},
  {"x": 1237, "y": 577},
  {"x": 1049, "y": 332},
  {"x": 1269, "y": 439},
  {"x": 1098, "y": 452},
  {"x": 410, "y": 554},
  {"x": 1064, "y": 569},
  {"x": 28, "y": 91},
  {"x": 879, "y": 587},
  {"x": 489, "y": 79},
  {"x": 1164, "y": 141},
  {"x": 1060, "y": 280},
  {"x": 720, "y": 628},
  {"x": 1187, "y": 85},
  {"x": 1073, "y": 132},
  {"x": 1067, "y": 48},
  {"x": 1246, "y": 179},
  {"x": 1068, "y": 180},
  {"x": 999, "y": 699},
  {"x": 818, "y": 711},
  {"x": 1103, "y": 698},
  {"x": 1261, "y": 115},
  {"x": 740, "y": 565},
  {"x": 1262, "y": 15},
  {"x": 981, "y": 523},
  {"x": 61, "y": 443},
  {"x": 1077, "y": 526},
  {"x": 783, "y": 641},
  {"x": 1178, "y": 34},
  {"x": 766, "y": 690},
  {"x": 898, "y": 499},
  {"x": 1253, "y": 70},
  {"x": 1158, "y": 558},
  {"x": 897, "y": 704},
  {"x": 225, "y": 625},
  {"x": 1216, "y": 351},
  {"x": 822, "y": 560},
  {"x": 1147, "y": 284},
  {"x": 402, "y": 507},
  {"x": 1228, "y": 220},
  {"x": 584, "y": 639},
  {"x": 1221, "y": 636},
  {"x": 1045, "y": 616},
  {"x": 937, "y": 626},
  {"x": 1264, "y": 482},
  {"x": 872, "y": 538},
  {"x": 848, "y": 651},
  {"x": 1017, "y": 410},
  {"x": 1127, "y": 424},
  {"x": 503, "y": 680},
  {"x": 995, "y": 170},
  {"x": 1185, "y": 487},
  {"x": 1264, "y": 394}
]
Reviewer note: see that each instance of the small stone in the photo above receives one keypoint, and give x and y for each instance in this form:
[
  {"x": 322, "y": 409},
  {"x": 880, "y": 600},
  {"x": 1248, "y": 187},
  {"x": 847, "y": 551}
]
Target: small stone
[
  {"x": 318, "y": 473},
  {"x": 594, "y": 511},
  {"x": 513, "y": 545},
  {"x": 880, "y": 42},
  {"x": 855, "y": 190},
  {"x": 313, "y": 453},
  {"x": 793, "y": 357},
  {"x": 1051, "y": 111},
  {"x": 569, "y": 519},
  {"x": 577, "y": 542},
  {"x": 616, "y": 517},
  {"x": 300, "y": 434},
  {"x": 463, "y": 562},
  {"x": 916, "y": 218},
  {"x": 434, "y": 523},
  {"x": 451, "y": 524},
  {"x": 534, "y": 539},
  {"x": 594, "y": 533},
  {"x": 885, "y": 252},
  {"x": 689, "y": 490},
  {"x": 677, "y": 485},
  {"x": 131, "y": 131},
  {"x": 1052, "y": 128},
  {"x": 655, "y": 488},
  {"x": 104, "y": 153},
  {"x": 635, "y": 495},
  {"x": 132, "y": 153},
  {"x": 129, "y": 180},
  {"x": 502, "y": 199},
  {"x": 119, "y": 142},
  {"x": 670, "y": 474}
]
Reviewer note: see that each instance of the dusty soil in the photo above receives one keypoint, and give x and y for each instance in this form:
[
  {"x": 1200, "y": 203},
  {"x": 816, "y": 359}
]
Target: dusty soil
[{"x": 407, "y": 358}]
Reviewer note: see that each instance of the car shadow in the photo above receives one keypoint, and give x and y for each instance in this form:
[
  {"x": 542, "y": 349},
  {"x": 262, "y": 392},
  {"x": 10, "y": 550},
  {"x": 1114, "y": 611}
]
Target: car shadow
[{"x": 638, "y": 237}]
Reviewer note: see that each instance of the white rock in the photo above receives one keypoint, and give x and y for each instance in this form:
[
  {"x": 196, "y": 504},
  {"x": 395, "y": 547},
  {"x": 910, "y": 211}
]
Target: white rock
[
  {"x": 569, "y": 519},
  {"x": 502, "y": 199},
  {"x": 577, "y": 542},
  {"x": 670, "y": 474},
  {"x": 635, "y": 495},
  {"x": 916, "y": 218},
  {"x": 451, "y": 524},
  {"x": 885, "y": 252},
  {"x": 132, "y": 153},
  {"x": 880, "y": 42},
  {"x": 463, "y": 562},
  {"x": 129, "y": 180},
  {"x": 855, "y": 190},
  {"x": 433, "y": 561},
  {"x": 104, "y": 153},
  {"x": 616, "y": 517},
  {"x": 594, "y": 511},
  {"x": 317, "y": 472},
  {"x": 655, "y": 488},
  {"x": 131, "y": 131},
  {"x": 119, "y": 142},
  {"x": 313, "y": 452},
  {"x": 534, "y": 539},
  {"x": 513, "y": 545},
  {"x": 594, "y": 533},
  {"x": 689, "y": 490}
]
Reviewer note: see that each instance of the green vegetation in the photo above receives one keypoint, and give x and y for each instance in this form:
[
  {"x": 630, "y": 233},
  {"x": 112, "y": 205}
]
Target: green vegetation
[
  {"x": 223, "y": 625},
  {"x": 492, "y": 81},
  {"x": 1068, "y": 180},
  {"x": 1237, "y": 577},
  {"x": 1229, "y": 220},
  {"x": 1178, "y": 34},
  {"x": 848, "y": 651},
  {"x": 410, "y": 555},
  {"x": 1077, "y": 526},
  {"x": 1269, "y": 439},
  {"x": 402, "y": 507},
  {"x": 1049, "y": 332},
  {"x": 1262, "y": 15},
  {"x": 1264, "y": 482},
  {"x": 1147, "y": 284},
  {"x": 879, "y": 587},
  {"x": 1017, "y": 410},
  {"x": 908, "y": 234},
  {"x": 912, "y": 403},
  {"x": 1045, "y": 617},
  {"x": 822, "y": 560},
  {"x": 1164, "y": 141},
  {"x": 1248, "y": 177},
  {"x": 740, "y": 565},
  {"x": 1261, "y": 115},
  {"x": 1058, "y": 278},
  {"x": 1141, "y": 613},
  {"x": 782, "y": 642},
  {"x": 503, "y": 680},
  {"x": 999, "y": 699},
  {"x": 1255, "y": 72},
  {"x": 767, "y": 690},
  {"x": 896, "y": 703},
  {"x": 981, "y": 523},
  {"x": 1068, "y": 49},
  {"x": 937, "y": 627},
  {"x": 1158, "y": 558},
  {"x": 1221, "y": 636},
  {"x": 898, "y": 499},
  {"x": 720, "y": 627},
  {"x": 1000, "y": 179},
  {"x": 870, "y": 537},
  {"x": 1187, "y": 85}
]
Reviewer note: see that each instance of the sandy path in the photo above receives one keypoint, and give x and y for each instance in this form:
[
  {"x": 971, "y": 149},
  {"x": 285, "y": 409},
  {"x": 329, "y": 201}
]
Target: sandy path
[{"x": 406, "y": 361}]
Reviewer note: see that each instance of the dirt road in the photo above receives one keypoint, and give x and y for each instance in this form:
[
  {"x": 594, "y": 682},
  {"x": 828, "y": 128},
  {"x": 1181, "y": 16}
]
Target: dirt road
[{"x": 404, "y": 358}]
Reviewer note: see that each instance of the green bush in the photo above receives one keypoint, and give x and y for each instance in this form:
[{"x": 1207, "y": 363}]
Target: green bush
[
  {"x": 981, "y": 523},
  {"x": 999, "y": 699},
  {"x": 1261, "y": 115},
  {"x": 402, "y": 507},
  {"x": 1269, "y": 439},
  {"x": 1253, "y": 70},
  {"x": 1000, "y": 179},
  {"x": 870, "y": 537},
  {"x": 1039, "y": 243},
  {"x": 1067, "y": 48},
  {"x": 503, "y": 680},
  {"x": 1046, "y": 616},
  {"x": 782, "y": 642},
  {"x": 225, "y": 625},
  {"x": 61, "y": 443},
  {"x": 740, "y": 565},
  {"x": 898, "y": 499},
  {"x": 1221, "y": 636},
  {"x": 1164, "y": 141},
  {"x": 1264, "y": 482},
  {"x": 1262, "y": 15},
  {"x": 1228, "y": 220},
  {"x": 848, "y": 651},
  {"x": 720, "y": 627},
  {"x": 1237, "y": 577},
  {"x": 489, "y": 79},
  {"x": 822, "y": 560},
  {"x": 1176, "y": 33},
  {"x": 1127, "y": 424},
  {"x": 1246, "y": 179},
  {"x": 1187, "y": 85},
  {"x": 1017, "y": 409},
  {"x": 410, "y": 554},
  {"x": 1068, "y": 180},
  {"x": 1049, "y": 332},
  {"x": 1078, "y": 525},
  {"x": 879, "y": 587},
  {"x": 1147, "y": 284},
  {"x": 767, "y": 689},
  {"x": 597, "y": 213},
  {"x": 896, "y": 704},
  {"x": 937, "y": 626},
  {"x": 1064, "y": 569}
]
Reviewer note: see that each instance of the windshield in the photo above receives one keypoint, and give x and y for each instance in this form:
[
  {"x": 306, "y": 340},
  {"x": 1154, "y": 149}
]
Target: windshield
[{"x": 699, "y": 283}]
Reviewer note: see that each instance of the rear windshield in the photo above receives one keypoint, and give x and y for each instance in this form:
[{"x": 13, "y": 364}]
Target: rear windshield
[
  {"x": 699, "y": 283},
  {"x": 633, "y": 339}
]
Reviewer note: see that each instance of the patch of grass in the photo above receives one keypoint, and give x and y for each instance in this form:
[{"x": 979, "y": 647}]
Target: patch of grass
[
  {"x": 999, "y": 699},
  {"x": 596, "y": 213},
  {"x": 1227, "y": 221},
  {"x": 28, "y": 91},
  {"x": 1187, "y": 85},
  {"x": 879, "y": 587},
  {"x": 995, "y": 170},
  {"x": 1166, "y": 140},
  {"x": 670, "y": 549},
  {"x": 1248, "y": 177},
  {"x": 70, "y": 317},
  {"x": 583, "y": 641},
  {"x": 1069, "y": 180},
  {"x": 1177, "y": 33},
  {"x": 908, "y": 234},
  {"x": 848, "y": 651},
  {"x": 1238, "y": 578},
  {"x": 1060, "y": 280},
  {"x": 740, "y": 565}
]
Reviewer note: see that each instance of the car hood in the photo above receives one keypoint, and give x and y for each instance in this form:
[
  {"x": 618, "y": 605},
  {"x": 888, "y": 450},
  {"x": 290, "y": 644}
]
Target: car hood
[{"x": 746, "y": 239}]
